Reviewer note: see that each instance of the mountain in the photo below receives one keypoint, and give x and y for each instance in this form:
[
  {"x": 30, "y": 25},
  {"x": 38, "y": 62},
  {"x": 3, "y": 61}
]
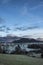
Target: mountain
[
  {"x": 25, "y": 40},
  {"x": 16, "y": 39},
  {"x": 40, "y": 39},
  {"x": 9, "y": 38}
]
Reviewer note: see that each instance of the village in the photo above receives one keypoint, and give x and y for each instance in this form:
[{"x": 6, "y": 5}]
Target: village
[{"x": 20, "y": 48}]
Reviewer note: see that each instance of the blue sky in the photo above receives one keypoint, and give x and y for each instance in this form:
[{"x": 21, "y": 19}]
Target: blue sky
[{"x": 21, "y": 17}]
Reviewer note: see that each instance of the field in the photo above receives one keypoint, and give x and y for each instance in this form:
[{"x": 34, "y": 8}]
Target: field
[{"x": 7, "y": 59}]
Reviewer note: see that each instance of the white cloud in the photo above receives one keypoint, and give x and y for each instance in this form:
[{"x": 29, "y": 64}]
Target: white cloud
[{"x": 36, "y": 33}]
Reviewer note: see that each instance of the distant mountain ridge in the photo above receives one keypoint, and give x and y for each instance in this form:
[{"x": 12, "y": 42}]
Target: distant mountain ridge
[
  {"x": 26, "y": 40},
  {"x": 16, "y": 39},
  {"x": 8, "y": 38},
  {"x": 40, "y": 39}
]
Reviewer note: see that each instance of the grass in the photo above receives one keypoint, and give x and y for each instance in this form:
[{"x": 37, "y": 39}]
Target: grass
[{"x": 7, "y": 59}]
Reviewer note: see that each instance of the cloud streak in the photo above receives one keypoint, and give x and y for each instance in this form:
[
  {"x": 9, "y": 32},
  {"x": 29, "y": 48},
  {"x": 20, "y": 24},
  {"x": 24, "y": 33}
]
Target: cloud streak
[
  {"x": 27, "y": 8},
  {"x": 37, "y": 6},
  {"x": 5, "y": 29},
  {"x": 25, "y": 28}
]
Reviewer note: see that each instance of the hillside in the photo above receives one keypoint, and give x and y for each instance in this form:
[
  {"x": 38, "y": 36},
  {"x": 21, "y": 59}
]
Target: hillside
[
  {"x": 26, "y": 40},
  {"x": 19, "y": 60},
  {"x": 9, "y": 38},
  {"x": 16, "y": 39}
]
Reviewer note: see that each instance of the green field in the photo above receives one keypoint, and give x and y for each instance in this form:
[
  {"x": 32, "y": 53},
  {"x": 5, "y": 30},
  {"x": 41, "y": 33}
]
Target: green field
[{"x": 6, "y": 59}]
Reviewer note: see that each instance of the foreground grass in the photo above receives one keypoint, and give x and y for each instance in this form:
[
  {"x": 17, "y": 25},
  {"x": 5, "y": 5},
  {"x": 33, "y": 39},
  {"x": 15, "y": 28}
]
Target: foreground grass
[{"x": 6, "y": 59}]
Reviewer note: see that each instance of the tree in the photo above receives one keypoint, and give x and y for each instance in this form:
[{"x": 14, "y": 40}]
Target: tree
[
  {"x": 35, "y": 46},
  {"x": 42, "y": 52},
  {"x": 0, "y": 49},
  {"x": 18, "y": 50}
]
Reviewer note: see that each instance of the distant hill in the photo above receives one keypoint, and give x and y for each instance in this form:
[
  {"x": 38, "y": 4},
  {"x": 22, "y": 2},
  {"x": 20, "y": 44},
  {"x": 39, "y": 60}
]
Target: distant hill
[
  {"x": 9, "y": 38},
  {"x": 16, "y": 39},
  {"x": 26, "y": 40},
  {"x": 40, "y": 39}
]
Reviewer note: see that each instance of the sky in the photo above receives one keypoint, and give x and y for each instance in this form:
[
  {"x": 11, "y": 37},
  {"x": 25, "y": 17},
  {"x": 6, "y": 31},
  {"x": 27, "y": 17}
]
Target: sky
[{"x": 21, "y": 18}]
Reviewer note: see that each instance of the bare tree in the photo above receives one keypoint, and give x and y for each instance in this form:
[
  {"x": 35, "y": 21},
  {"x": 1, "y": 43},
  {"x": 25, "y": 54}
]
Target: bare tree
[{"x": 0, "y": 49}]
